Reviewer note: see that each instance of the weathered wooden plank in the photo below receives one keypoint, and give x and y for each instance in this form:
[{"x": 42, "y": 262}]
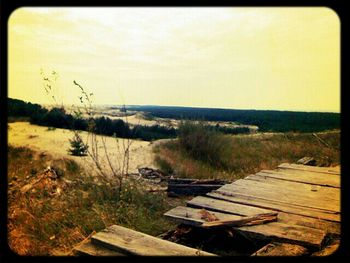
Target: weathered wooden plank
[
  {"x": 281, "y": 196},
  {"x": 192, "y": 216},
  {"x": 131, "y": 242},
  {"x": 304, "y": 236},
  {"x": 329, "y": 180},
  {"x": 288, "y": 214},
  {"x": 274, "y": 230},
  {"x": 274, "y": 205},
  {"x": 330, "y": 192},
  {"x": 89, "y": 249},
  {"x": 226, "y": 207},
  {"x": 274, "y": 249},
  {"x": 327, "y": 170},
  {"x": 301, "y": 172},
  {"x": 332, "y": 202}
]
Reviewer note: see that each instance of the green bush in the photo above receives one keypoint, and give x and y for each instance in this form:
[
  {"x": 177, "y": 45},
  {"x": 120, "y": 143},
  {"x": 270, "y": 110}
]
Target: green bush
[
  {"x": 164, "y": 165},
  {"x": 78, "y": 147},
  {"x": 205, "y": 144}
]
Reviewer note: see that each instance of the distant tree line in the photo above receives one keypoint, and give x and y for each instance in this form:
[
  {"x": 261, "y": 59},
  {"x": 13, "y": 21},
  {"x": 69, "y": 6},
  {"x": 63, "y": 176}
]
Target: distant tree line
[
  {"x": 58, "y": 118},
  {"x": 266, "y": 120}
]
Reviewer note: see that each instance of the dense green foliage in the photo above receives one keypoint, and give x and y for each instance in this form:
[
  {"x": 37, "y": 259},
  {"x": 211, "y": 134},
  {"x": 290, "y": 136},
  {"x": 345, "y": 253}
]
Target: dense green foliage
[{"x": 277, "y": 121}]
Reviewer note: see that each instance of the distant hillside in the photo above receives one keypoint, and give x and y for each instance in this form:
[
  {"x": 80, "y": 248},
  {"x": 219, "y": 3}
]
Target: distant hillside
[{"x": 266, "y": 120}]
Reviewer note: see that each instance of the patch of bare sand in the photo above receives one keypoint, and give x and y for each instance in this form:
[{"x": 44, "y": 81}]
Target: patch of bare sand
[{"x": 56, "y": 143}]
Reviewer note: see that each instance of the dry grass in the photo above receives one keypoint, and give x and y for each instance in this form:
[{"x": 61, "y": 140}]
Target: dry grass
[
  {"x": 45, "y": 222},
  {"x": 250, "y": 154}
]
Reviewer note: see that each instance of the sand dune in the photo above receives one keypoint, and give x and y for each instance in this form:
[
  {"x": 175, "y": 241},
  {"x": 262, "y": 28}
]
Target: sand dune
[{"x": 56, "y": 142}]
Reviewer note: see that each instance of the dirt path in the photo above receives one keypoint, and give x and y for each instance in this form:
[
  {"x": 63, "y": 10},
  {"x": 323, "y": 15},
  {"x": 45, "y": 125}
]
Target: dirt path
[{"x": 56, "y": 142}]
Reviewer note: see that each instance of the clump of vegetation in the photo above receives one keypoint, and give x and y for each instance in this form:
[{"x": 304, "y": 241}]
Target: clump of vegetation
[
  {"x": 164, "y": 165},
  {"x": 42, "y": 224},
  {"x": 205, "y": 143},
  {"x": 78, "y": 147}
]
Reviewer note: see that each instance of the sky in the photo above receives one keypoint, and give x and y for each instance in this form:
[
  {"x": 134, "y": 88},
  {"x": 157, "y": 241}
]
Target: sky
[{"x": 236, "y": 58}]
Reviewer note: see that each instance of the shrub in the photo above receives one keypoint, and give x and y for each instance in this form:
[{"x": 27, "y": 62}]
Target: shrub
[
  {"x": 78, "y": 147},
  {"x": 164, "y": 165},
  {"x": 205, "y": 143}
]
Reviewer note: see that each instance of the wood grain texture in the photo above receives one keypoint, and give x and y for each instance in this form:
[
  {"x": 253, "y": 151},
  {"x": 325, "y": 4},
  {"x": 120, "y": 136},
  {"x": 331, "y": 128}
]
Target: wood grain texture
[
  {"x": 131, "y": 242},
  {"x": 326, "y": 170},
  {"x": 310, "y": 194},
  {"x": 287, "y": 214},
  {"x": 318, "y": 190},
  {"x": 330, "y": 180},
  {"x": 226, "y": 207},
  {"x": 281, "y": 196},
  {"x": 89, "y": 249}
]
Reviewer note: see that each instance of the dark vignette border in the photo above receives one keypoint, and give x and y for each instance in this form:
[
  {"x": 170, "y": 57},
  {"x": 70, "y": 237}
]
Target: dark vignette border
[{"x": 8, "y": 6}]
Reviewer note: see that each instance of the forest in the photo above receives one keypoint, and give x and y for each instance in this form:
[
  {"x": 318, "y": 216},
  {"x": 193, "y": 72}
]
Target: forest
[{"x": 266, "y": 120}]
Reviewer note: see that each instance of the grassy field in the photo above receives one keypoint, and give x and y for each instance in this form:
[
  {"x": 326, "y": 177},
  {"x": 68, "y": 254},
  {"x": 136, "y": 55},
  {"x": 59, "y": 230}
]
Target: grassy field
[
  {"x": 235, "y": 156},
  {"x": 57, "y": 214}
]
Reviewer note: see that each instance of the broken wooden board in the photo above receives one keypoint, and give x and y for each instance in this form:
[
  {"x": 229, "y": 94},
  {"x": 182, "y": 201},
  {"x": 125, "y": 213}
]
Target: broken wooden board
[
  {"x": 306, "y": 193},
  {"x": 131, "y": 242},
  {"x": 246, "y": 221},
  {"x": 287, "y": 214},
  {"x": 330, "y": 192},
  {"x": 281, "y": 196},
  {"x": 327, "y": 170},
  {"x": 89, "y": 249},
  {"x": 306, "y": 178},
  {"x": 192, "y": 216},
  {"x": 309, "y": 237},
  {"x": 276, "y": 249}
]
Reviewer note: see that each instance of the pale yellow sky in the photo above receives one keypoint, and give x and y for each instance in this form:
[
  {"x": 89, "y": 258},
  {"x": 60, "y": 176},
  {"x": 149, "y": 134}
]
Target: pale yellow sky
[{"x": 241, "y": 58}]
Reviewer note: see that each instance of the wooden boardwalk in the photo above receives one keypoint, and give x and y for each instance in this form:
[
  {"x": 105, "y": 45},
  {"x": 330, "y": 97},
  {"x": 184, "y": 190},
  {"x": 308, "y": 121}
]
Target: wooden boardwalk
[{"x": 307, "y": 199}]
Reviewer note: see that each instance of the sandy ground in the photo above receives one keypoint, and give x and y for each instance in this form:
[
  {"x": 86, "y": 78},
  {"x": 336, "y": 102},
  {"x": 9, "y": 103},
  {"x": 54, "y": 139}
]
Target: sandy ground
[{"x": 56, "y": 143}]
